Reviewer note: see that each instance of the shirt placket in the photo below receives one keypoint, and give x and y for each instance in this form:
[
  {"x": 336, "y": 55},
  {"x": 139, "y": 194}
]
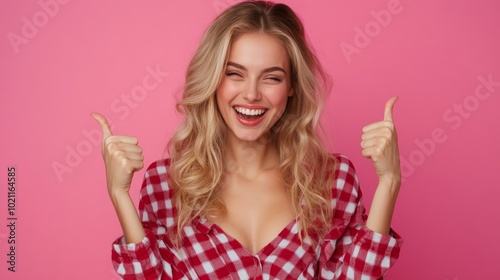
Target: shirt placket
[{"x": 238, "y": 261}]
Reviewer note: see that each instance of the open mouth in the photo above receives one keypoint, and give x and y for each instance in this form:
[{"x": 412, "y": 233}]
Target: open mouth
[{"x": 249, "y": 114}]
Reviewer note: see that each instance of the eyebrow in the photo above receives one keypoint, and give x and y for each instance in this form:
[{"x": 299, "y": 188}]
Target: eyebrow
[{"x": 267, "y": 70}]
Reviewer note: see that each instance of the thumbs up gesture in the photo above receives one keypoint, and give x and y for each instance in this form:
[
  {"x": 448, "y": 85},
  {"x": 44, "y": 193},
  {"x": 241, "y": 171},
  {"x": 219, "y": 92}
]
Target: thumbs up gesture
[
  {"x": 380, "y": 144},
  {"x": 122, "y": 157}
]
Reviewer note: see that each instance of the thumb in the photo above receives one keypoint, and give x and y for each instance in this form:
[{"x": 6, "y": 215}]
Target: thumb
[
  {"x": 388, "y": 108},
  {"x": 106, "y": 130}
]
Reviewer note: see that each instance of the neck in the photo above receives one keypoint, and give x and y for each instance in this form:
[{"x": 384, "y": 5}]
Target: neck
[{"x": 250, "y": 158}]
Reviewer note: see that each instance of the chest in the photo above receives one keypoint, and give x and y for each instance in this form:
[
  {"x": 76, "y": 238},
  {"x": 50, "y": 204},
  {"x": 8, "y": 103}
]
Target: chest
[
  {"x": 224, "y": 258},
  {"x": 257, "y": 209}
]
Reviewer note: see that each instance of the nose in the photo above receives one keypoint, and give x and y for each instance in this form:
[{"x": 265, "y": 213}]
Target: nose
[{"x": 251, "y": 91}]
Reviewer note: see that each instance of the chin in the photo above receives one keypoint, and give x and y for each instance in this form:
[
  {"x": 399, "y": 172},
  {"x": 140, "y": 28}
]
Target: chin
[{"x": 248, "y": 136}]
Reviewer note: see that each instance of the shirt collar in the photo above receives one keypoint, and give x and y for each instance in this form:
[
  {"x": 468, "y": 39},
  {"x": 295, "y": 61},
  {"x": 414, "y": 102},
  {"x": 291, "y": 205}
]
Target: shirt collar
[{"x": 203, "y": 225}]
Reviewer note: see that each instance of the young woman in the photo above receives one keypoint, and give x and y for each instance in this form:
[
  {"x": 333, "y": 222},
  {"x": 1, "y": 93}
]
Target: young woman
[{"x": 249, "y": 191}]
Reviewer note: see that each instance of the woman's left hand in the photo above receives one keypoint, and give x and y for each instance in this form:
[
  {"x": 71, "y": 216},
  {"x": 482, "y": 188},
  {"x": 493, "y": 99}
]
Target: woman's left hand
[{"x": 380, "y": 144}]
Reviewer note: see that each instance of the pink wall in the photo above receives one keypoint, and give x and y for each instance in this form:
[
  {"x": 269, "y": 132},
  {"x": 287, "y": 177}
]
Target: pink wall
[{"x": 62, "y": 60}]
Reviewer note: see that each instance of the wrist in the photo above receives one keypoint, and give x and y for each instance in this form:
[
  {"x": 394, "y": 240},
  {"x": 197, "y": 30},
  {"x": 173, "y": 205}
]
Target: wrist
[
  {"x": 392, "y": 180},
  {"x": 118, "y": 195},
  {"x": 389, "y": 185}
]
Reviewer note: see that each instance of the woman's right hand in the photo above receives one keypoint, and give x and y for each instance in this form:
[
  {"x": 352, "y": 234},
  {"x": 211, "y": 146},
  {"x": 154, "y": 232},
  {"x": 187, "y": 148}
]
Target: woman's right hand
[{"x": 122, "y": 157}]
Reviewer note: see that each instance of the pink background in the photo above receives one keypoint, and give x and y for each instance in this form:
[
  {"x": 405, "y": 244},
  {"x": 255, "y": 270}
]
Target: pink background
[{"x": 61, "y": 61}]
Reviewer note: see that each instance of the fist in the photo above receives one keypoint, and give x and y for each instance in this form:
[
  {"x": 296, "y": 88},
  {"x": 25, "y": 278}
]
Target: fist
[
  {"x": 122, "y": 157},
  {"x": 380, "y": 143}
]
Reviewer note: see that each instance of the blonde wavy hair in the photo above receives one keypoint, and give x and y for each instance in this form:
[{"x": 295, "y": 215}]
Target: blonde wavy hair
[{"x": 197, "y": 147}]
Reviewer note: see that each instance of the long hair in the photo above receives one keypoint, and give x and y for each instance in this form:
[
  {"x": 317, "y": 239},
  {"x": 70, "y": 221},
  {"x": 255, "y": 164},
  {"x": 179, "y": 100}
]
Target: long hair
[{"x": 196, "y": 148}]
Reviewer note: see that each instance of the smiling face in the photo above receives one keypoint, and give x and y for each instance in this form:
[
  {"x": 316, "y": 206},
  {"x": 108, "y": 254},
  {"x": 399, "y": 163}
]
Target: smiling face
[{"x": 255, "y": 86}]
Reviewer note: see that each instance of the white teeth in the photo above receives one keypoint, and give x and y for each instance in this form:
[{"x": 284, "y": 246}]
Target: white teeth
[{"x": 248, "y": 112}]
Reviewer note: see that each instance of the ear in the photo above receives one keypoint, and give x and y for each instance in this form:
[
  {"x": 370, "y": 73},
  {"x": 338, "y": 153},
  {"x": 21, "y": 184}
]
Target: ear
[{"x": 291, "y": 92}]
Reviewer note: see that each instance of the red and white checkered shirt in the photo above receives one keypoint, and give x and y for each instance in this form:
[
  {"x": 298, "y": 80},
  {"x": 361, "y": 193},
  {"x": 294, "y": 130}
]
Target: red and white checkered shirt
[{"x": 349, "y": 251}]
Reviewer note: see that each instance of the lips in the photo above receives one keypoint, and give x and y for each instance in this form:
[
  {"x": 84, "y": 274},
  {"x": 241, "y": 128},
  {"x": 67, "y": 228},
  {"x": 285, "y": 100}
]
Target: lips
[{"x": 249, "y": 116}]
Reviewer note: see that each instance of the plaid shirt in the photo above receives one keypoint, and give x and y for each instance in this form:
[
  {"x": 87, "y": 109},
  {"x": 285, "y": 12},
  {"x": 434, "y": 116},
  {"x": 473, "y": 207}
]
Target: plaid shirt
[{"x": 349, "y": 251}]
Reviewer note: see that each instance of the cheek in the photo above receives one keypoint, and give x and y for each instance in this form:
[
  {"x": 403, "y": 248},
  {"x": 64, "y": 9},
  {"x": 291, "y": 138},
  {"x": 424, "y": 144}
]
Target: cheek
[
  {"x": 279, "y": 100},
  {"x": 222, "y": 94},
  {"x": 227, "y": 89}
]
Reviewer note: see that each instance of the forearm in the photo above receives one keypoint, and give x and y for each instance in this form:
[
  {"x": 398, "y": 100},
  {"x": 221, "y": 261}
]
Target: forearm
[
  {"x": 382, "y": 208},
  {"x": 128, "y": 217}
]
